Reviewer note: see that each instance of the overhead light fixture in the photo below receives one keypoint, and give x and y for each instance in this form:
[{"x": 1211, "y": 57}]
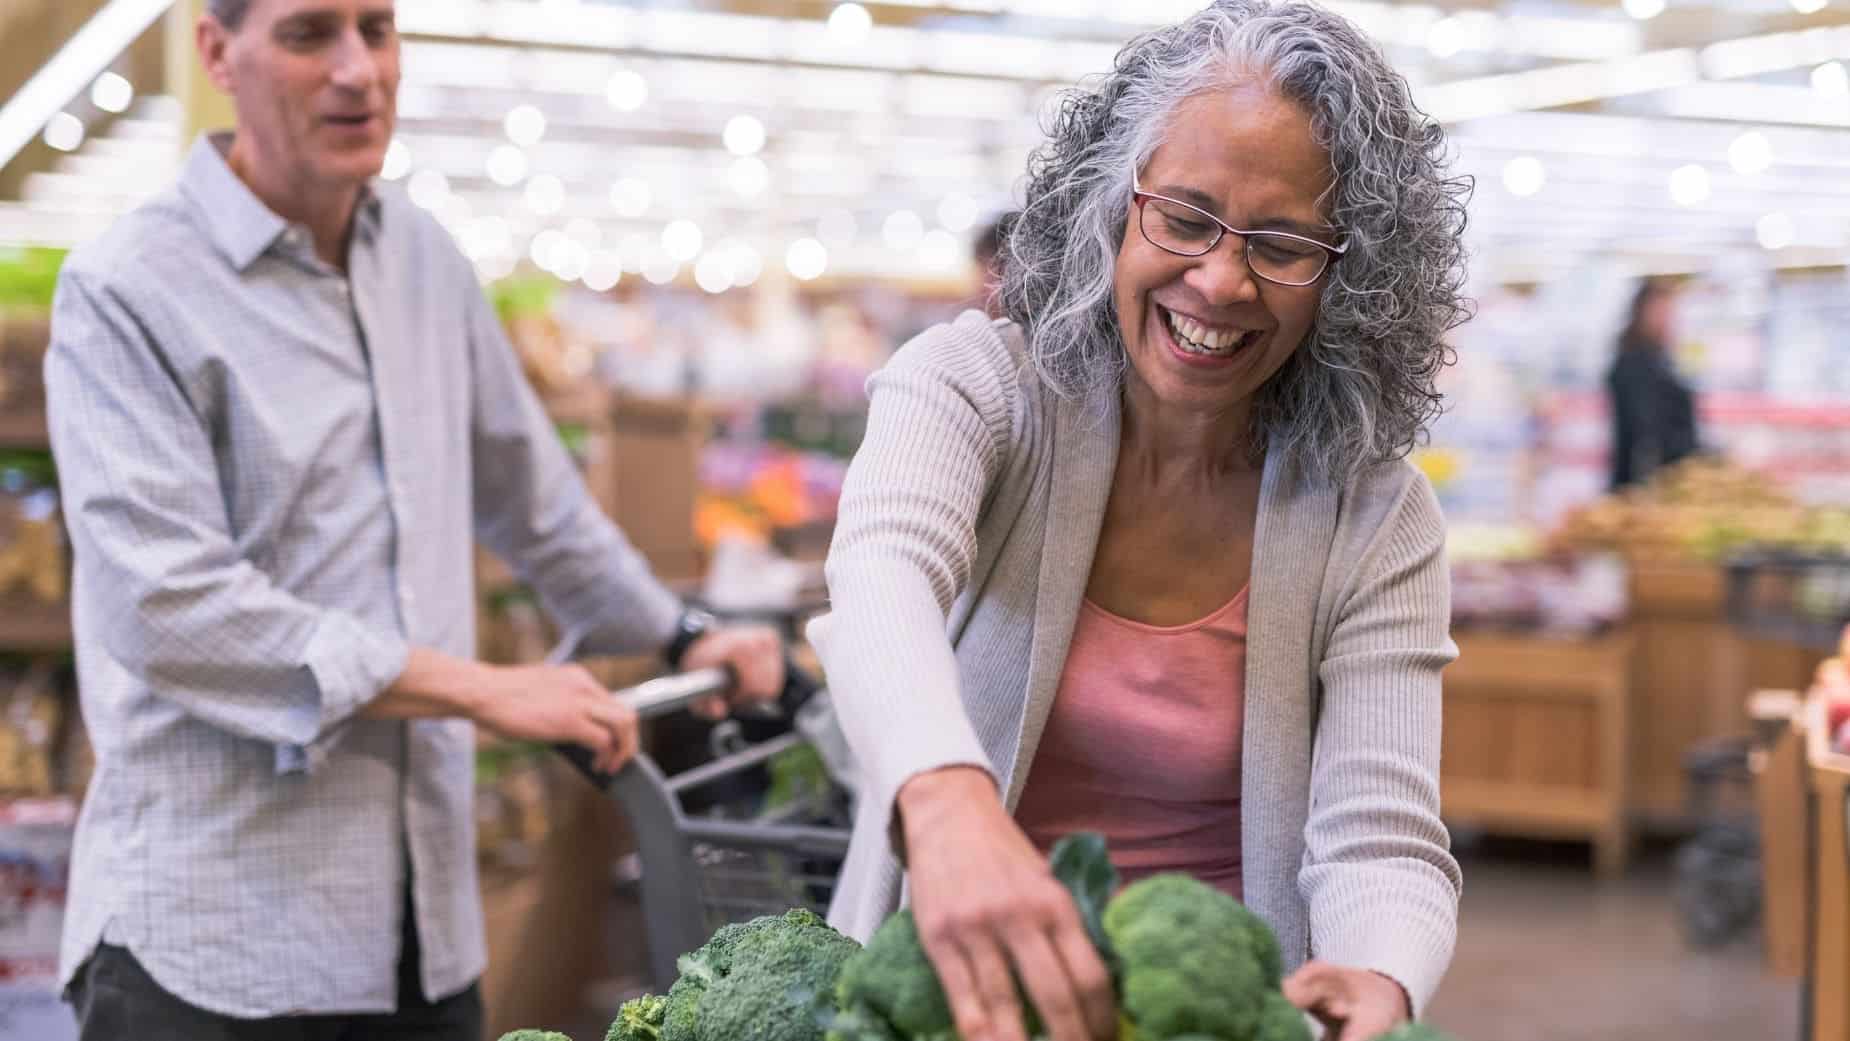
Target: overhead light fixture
[
  {"x": 604, "y": 272},
  {"x": 806, "y": 259},
  {"x": 112, "y": 93},
  {"x": 957, "y": 212},
  {"x": 1689, "y": 185},
  {"x": 850, "y": 23},
  {"x": 397, "y": 161},
  {"x": 1831, "y": 79},
  {"x": 525, "y": 125},
  {"x": 744, "y": 135},
  {"x": 1524, "y": 176},
  {"x": 428, "y": 188},
  {"x": 627, "y": 91},
  {"x": 681, "y": 239},
  {"x": 1751, "y": 153},
  {"x": 630, "y": 197},
  {"x": 939, "y": 251},
  {"x": 64, "y": 132},
  {"x": 1643, "y": 10},
  {"x": 902, "y": 230},
  {"x": 713, "y": 273},
  {"x": 748, "y": 176},
  {"x": 747, "y": 265},
  {"x": 545, "y": 194},
  {"x": 507, "y": 166},
  {"x": 1809, "y": 6},
  {"x": 571, "y": 260},
  {"x": 1775, "y": 231},
  {"x": 1446, "y": 37},
  {"x": 660, "y": 269},
  {"x": 545, "y": 247}
]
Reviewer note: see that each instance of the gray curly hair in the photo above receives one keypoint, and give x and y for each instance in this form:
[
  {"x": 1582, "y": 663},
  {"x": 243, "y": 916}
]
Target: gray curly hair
[{"x": 1362, "y": 387}]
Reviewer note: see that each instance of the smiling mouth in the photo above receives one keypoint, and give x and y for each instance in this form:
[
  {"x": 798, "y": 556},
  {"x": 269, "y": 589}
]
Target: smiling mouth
[{"x": 1210, "y": 341}]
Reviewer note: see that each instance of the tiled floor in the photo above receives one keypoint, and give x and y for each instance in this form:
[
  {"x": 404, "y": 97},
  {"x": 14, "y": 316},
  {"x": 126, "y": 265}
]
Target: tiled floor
[{"x": 1545, "y": 953}]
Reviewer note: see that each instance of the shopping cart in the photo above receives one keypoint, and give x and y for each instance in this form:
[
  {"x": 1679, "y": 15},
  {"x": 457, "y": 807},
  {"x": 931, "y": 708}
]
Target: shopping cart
[{"x": 710, "y": 861}]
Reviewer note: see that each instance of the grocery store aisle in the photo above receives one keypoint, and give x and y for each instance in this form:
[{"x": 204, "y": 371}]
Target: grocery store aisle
[{"x": 1546, "y": 953}]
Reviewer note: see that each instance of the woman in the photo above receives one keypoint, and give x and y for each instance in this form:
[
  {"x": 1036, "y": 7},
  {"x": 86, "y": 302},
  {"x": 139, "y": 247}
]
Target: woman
[
  {"x": 1145, "y": 558},
  {"x": 1653, "y": 412}
]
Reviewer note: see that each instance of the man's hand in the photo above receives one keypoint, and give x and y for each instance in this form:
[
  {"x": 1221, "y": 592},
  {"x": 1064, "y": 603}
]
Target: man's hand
[
  {"x": 1352, "y": 1004},
  {"x": 550, "y": 703},
  {"x": 754, "y": 653},
  {"x": 558, "y": 703}
]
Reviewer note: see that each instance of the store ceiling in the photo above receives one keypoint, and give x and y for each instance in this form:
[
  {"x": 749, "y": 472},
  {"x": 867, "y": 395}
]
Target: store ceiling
[{"x": 890, "y": 131}]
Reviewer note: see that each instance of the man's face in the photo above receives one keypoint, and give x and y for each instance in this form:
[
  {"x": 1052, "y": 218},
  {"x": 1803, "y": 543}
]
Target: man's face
[{"x": 315, "y": 84}]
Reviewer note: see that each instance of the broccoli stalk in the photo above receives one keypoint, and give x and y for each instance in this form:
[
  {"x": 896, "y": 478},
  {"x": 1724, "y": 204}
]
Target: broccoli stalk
[{"x": 534, "y": 1035}]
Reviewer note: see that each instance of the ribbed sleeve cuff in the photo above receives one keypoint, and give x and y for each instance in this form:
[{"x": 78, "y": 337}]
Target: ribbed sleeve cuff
[
  {"x": 1399, "y": 931},
  {"x": 350, "y": 666}
]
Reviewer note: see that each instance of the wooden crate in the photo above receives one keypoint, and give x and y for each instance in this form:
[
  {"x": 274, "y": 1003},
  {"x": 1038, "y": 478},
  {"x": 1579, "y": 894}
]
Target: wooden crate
[
  {"x": 1536, "y": 732},
  {"x": 1779, "y": 768},
  {"x": 1690, "y": 668},
  {"x": 1830, "y": 881}
]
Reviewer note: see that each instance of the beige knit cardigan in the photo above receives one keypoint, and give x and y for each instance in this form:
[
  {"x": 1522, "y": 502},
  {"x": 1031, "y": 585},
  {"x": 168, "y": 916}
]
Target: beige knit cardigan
[{"x": 965, "y": 539}]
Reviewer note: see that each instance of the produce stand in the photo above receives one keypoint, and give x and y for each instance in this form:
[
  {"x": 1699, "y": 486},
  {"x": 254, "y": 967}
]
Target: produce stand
[
  {"x": 1536, "y": 732},
  {"x": 1828, "y": 982}
]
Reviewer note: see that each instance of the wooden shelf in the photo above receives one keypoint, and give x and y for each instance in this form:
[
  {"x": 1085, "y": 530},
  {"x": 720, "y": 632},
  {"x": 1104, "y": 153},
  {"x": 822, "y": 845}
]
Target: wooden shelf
[
  {"x": 24, "y": 428},
  {"x": 33, "y": 627}
]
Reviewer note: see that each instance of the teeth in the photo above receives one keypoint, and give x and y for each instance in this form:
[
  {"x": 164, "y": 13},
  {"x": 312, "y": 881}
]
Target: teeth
[{"x": 1198, "y": 338}]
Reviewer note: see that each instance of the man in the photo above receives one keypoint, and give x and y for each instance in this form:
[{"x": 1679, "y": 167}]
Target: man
[{"x": 281, "y": 408}]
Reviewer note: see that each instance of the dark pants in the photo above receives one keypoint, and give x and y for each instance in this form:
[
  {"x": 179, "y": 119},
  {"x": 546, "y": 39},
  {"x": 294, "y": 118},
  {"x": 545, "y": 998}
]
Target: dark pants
[{"x": 116, "y": 1000}]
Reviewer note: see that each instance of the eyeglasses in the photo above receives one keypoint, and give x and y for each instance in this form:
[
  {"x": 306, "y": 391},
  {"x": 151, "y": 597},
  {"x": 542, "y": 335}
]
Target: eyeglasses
[{"x": 1190, "y": 231}]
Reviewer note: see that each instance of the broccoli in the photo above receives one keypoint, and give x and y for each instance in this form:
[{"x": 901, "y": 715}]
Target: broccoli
[
  {"x": 889, "y": 990},
  {"x": 640, "y": 1019},
  {"x": 753, "y": 981},
  {"x": 534, "y": 1035},
  {"x": 1193, "y": 960},
  {"x": 1413, "y": 1032}
]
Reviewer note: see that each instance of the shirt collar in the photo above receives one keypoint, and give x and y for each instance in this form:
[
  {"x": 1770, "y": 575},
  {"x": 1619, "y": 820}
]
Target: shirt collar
[{"x": 239, "y": 223}]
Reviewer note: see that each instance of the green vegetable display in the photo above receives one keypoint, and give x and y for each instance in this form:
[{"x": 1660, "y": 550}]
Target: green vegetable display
[
  {"x": 761, "y": 980},
  {"x": 1189, "y": 963}
]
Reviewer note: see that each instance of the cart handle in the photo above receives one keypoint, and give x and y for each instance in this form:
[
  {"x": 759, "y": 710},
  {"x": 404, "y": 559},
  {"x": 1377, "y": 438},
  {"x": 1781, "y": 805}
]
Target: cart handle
[{"x": 665, "y": 695}]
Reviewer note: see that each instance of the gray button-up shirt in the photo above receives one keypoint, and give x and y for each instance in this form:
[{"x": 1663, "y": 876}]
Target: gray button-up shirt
[{"x": 272, "y": 474}]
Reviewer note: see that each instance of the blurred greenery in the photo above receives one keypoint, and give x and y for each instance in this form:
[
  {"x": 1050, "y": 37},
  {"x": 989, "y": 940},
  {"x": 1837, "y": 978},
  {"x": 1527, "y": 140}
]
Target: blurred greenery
[
  {"x": 523, "y": 296},
  {"x": 28, "y": 279}
]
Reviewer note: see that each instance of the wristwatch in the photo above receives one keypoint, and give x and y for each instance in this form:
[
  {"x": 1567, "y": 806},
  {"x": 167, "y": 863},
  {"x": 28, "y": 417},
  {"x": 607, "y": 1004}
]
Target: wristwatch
[{"x": 692, "y": 625}]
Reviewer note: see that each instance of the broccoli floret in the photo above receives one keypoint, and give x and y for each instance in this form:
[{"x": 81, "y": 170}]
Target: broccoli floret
[
  {"x": 640, "y": 1019},
  {"x": 1414, "y": 1032},
  {"x": 755, "y": 981},
  {"x": 534, "y": 1035},
  {"x": 1280, "y": 1020},
  {"x": 890, "y": 990},
  {"x": 1194, "y": 961}
]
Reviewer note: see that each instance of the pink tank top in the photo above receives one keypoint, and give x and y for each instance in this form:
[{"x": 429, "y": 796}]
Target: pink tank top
[{"x": 1143, "y": 745}]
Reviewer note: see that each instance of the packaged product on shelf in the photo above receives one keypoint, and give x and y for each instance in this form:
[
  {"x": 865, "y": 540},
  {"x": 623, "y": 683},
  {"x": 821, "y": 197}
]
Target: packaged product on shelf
[
  {"x": 35, "y": 853},
  {"x": 31, "y": 714},
  {"x": 31, "y": 536}
]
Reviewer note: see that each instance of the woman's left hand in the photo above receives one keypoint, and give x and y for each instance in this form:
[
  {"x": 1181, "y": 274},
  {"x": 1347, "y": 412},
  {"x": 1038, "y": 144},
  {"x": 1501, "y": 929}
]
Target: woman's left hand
[{"x": 1352, "y": 1004}]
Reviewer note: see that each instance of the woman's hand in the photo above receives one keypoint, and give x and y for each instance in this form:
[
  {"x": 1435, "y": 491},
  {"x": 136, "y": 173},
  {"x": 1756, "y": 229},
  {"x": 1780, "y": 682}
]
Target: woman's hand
[
  {"x": 1352, "y": 1004},
  {"x": 989, "y": 909}
]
